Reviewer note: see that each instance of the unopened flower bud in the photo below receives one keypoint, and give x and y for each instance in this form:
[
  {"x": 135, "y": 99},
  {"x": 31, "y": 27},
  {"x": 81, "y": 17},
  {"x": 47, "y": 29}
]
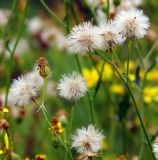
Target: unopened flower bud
[
  {"x": 42, "y": 64},
  {"x": 40, "y": 157},
  {"x": 4, "y": 124},
  {"x": 21, "y": 115}
]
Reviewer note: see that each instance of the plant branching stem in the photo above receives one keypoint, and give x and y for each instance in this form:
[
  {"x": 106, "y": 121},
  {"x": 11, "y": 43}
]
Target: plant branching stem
[
  {"x": 133, "y": 99},
  {"x": 44, "y": 113}
]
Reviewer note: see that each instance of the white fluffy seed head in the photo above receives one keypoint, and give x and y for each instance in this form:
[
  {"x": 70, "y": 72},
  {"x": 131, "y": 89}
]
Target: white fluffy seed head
[
  {"x": 132, "y": 23},
  {"x": 83, "y": 38},
  {"x": 22, "y": 91},
  {"x": 110, "y": 35},
  {"x": 87, "y": 140},
  {"x": 155, "y": 147},
  {"x": 72, "y": 87},
  {"x": 35, "y": 78}
]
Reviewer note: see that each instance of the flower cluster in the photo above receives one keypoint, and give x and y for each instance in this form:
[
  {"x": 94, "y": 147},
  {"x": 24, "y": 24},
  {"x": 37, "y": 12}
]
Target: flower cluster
[
  {"x": 57, "y": 126},
  {"x": 129, "y": 23}
]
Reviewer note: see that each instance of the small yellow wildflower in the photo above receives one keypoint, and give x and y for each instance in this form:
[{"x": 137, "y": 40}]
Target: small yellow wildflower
[
  {"x": 150, "y": 94},
  {"x": 91, "y": 76},
  {"x": 1, "y": 151},
  {"x": 57, "y": 126},
  {"x": 5, "y": 110},
  {"x": 132, "y": 77},
  {"x": 60, "y": 129},
  {"x": 117, "y": 89},
  {"x": 27, "y": 158},
  {"x": 152, "y": 75}
]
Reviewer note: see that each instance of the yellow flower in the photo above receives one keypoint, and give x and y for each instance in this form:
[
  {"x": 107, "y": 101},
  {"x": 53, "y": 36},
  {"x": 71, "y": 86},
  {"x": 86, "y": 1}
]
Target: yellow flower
[
  {"x": 131, "y": 66},
  {"x": 132, "y": 77},
  {"x": 152, "y": 75},
  {"x": 27, "y": 158},
  {"x": 107, "y": 71},
  {"x": 1, "y": 151},
  {"x": 60, "y": 129},
  {"x": 117, "y": 89},
  {"x": 141, "y": 74},
  {"x": 5, "y": 110},
  {"x": 40, "y": 157},
  {"x": 150, "y": 94},
  {"x": 91, "y": 76},
  {"x": 6, "y": 140}
]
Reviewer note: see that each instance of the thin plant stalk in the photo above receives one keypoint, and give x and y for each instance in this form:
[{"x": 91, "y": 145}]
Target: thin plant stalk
[
  {"x": 99, "y": 81},
  {"x": 71, "y": 118},
  {"x": 90, "y": 100},
  {"x": 128, "y": 59},
  {"x": 44, "y": 112},
  {"x": 133, "y": 99},
  {"x": 57, "y": 19},
  {"x": 142, "y": 113},
  {"x": 74, "y": 13},
  {"x": 70, "y": 126},
  {"x": 93, "y": 63},
  {"x": 10, "y": 64},
  {"x": 151, "y": 50},
  {"x": 108, "y": 9}
]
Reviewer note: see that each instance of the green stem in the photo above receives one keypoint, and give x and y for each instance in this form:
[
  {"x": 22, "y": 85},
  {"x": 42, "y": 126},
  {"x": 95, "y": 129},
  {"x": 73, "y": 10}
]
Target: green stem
[
  {"x": 133, "y": 99},
  {"x": 141, "y": 154},
  {"x": 137, "y": 46},
  {"x": 90, "y": 100},
  {"x": 49, "y": 124},
  {"x": 99, "y": 81},
  {"x": 151, "y": 50},
  {"x": 10, "y": 64},
  {"x": 78, "y": 63},
  {"x": 91, "y": 105},
  {"x": 70, "y": 127},
  {"x": 108, "y": 9},
  {"x": 93, "y": 63},
  {"x": 52, "y": 13},
  {"x": 44, "y": 112},
  {"x": 92, "y": 10},
  {"x": 44, "y": 89},
  {"x": 74, "y": 14},
  {"x": 71, "y": 119},
  {"x": 124, "y": 136},
  {"x": 128, "y": 59}
]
